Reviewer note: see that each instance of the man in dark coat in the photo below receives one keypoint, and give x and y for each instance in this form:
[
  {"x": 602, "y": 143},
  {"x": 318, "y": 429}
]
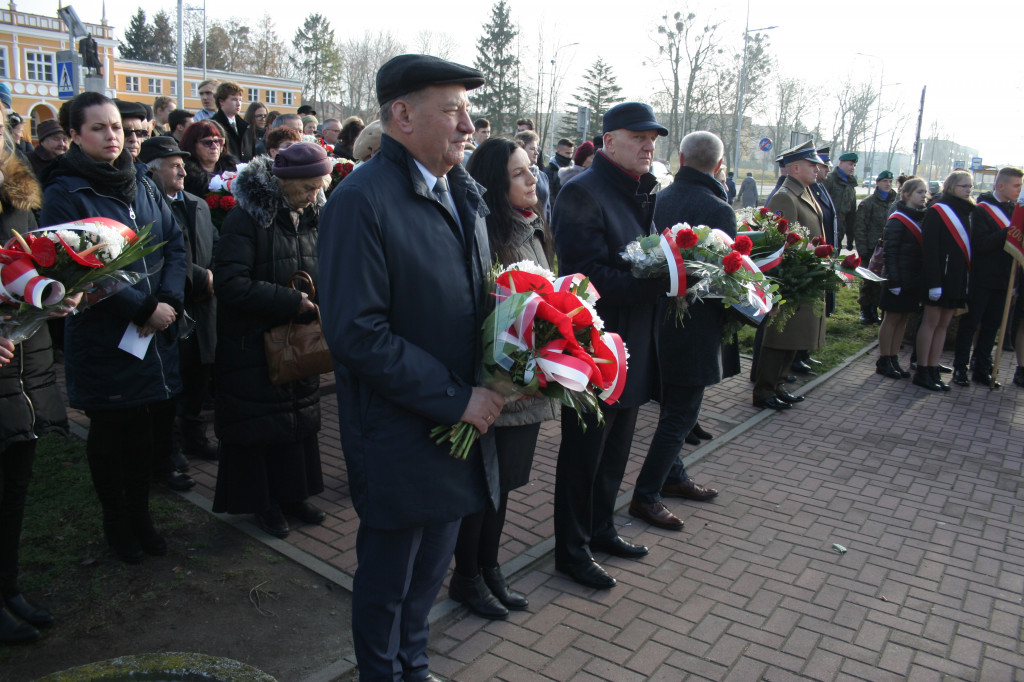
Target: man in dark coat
[
  {"x": 562, "y": 158},
  {"x": 991, "y": 268},
  {"x": 842, "y": 187},
  {"x": 595, "y": 216},
  {"x": 730, "y": 188},
  {"x": 197, "y": 350},
  {"x": 689, "y": 355},
  {"x": 830, "y": 225},
  {"x": 402, "y": 313},
  {"x": 872, "y": 215},
  {"x": 748, "y": 191},
  {"x": 229, "y": 110}
]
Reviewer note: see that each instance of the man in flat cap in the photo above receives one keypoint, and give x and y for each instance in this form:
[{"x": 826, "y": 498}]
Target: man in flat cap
[
  {"x": 805, "y": 330},
  {"x": 842, "y": 187},
  {"x": 596, "y": 214},
  {"x": 872, "y": 215},
  {"x": 133, "y": 123},
  {"x": 403, "y": 260}
]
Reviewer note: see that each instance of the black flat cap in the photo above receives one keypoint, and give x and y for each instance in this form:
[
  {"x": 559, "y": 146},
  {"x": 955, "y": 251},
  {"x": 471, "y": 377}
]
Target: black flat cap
[
  {"x": 131, "y": 109},
  {"x": 632, "y": 116},
  {"x": 159, "y": 147},
  {"x": 410, "y": 72}
]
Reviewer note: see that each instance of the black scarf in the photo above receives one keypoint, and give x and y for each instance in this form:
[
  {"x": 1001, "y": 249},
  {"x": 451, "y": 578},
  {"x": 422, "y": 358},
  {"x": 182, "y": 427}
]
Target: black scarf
[{"x": 117, "y": 179}]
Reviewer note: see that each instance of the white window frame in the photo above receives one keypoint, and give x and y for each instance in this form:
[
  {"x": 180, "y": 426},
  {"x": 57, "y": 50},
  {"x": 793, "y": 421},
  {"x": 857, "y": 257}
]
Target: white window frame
[
  {"x": 42, "y": 64},
  {"x": 131, "y": 84},
  {"x": 194, "y": 88},
  {"x": 174, "y": 87},
  {"x": 155, "y": 85},
  {"x": 3, "y": 61},
  {"x": 254, "y": 94},
  {"x": 271, "y": 96},
  {"x": 287, "y": 98}
]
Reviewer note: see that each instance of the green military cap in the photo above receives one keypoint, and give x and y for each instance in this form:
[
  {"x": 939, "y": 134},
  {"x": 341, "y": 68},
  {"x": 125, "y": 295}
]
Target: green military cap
[
  {"x": 850, "y": 156},
  {"x": 884, "y": 175}
]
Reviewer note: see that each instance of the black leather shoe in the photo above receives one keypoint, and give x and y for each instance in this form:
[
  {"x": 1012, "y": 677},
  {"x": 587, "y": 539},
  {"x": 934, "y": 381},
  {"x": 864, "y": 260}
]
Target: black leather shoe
[
  {"x": 960, "y": 377},
  {"x": 894, "y": 360},
  {"x": 305, "y": 512},
  {"x": 944, "y": 370},
  {"x": 937, "y": 378},
  {"x": 474, "y": 593},
  {"x": 616, "y": 546},
  {"x": 811, "y": 361},
  {"x": 178, "y": 481},
  {"x": 692, "y": 439},
  {"x": 123, "y": 541},
  {"x": 656, "y": 514},
  {"x": 923, "y": 378},
  {"x": 985, "y": 379},
  {"x": 791, "y": 379},
  {"x": 14, "y": 631},
  {"x": 272, "y": 521},
  {"x": 498, "y": 586},
  {"x": 179, "y": 461},
  {"x": 588, "y": 574},
  {"x": 801, "y": 367},
  {"x": 787, "y": 397},
  {"x": 773, "y": 403},
  {"x": 689, "y": 490},
  {"x": 201, "y": 449},
  {"x": 34, "y": 615},
  {"x": 699, "y": 431},
  {"x": 1018, "y": 376}
]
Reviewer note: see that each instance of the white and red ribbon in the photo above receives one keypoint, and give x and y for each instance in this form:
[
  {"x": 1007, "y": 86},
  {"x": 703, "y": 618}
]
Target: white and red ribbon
[
  {"x": 565, "y": 370},
  {"x": 618, "y": 384},
  {"x": 909, "y": 223},
  {"x": 676, "y": 265},
  {"x": 21, "y": 282},
  {"x": 771, "y": 261},
  {"x": 956, "y": 229},
  {"x": 995, "y": 213},
  {"x": 567, "y": 282}
]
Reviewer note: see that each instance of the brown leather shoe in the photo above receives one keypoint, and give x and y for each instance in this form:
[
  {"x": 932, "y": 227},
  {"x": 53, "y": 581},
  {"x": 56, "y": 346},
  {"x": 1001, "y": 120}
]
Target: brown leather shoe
[
  {"x": 690, "y": 490},
  {"x": 656, "y": 514}
]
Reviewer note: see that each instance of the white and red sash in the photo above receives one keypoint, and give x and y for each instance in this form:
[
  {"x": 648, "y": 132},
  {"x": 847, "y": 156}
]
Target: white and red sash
[
  {"x": 909, "y": 223},
  {"x": 995, "y": 213},
  {"x": 956, "y": 229}
]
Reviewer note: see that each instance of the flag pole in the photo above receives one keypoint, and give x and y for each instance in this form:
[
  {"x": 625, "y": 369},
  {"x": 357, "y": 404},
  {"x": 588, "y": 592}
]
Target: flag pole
[{"x": 1002, "y": 327}]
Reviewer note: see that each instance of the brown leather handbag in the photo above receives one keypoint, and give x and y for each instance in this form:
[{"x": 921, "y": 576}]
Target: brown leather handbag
[{"x": 297, "y": 351}]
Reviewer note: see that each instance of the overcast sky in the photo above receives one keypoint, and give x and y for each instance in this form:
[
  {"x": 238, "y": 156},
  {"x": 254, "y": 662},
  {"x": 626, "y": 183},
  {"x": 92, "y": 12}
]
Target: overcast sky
[{"x": 968, "y": 55}]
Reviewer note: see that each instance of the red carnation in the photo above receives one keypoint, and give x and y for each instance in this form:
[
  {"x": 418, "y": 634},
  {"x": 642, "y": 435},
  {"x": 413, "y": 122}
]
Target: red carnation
[
  {"x": 852, "y": 261},
  {"x": 339, "y": 167},
  {"x": 783, "y": 224},
  {"x": 743, "y": 245},
  {"x": 227, "y": 202},
  {"x": 732, "y": 262},
  {"x": 792, "y": 238},
  {"x": 686, "y": 239},
  {"x": 823, "y": 251},
  {"x": 765, "y": 211},
  {"x": 213, "y": 201},
  {"x": 815, "y": 241}
]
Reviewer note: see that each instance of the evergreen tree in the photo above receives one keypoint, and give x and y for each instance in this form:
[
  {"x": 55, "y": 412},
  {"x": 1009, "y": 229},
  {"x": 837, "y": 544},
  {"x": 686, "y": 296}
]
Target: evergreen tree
[
  {"x": 163, "y": 39},
  {"x": 599, "y": 92},
  {"x": 317, "y": 58},
  {"x": 500, "y": 97},
  {"x": 138, "y": 39}
]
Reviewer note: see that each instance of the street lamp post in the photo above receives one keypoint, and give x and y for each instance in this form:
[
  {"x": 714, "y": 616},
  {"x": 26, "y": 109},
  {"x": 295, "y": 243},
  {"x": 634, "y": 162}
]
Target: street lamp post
[{"x": 743, "y": 80}]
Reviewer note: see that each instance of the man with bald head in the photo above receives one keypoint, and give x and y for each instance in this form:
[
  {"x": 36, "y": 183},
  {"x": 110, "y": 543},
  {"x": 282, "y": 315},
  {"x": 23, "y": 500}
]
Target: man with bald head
[
  {"x": 690, "y": 354},
  {"x": 402, "y": 316}
]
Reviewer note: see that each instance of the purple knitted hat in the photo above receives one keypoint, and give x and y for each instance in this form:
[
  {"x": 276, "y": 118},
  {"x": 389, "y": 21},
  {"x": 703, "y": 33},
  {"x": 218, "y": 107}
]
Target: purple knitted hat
[{"x": 302, "y": 160}]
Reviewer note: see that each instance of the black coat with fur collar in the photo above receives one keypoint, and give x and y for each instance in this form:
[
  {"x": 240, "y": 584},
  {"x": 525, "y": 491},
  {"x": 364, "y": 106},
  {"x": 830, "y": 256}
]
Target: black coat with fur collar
[{"x": 260, "y": 247}]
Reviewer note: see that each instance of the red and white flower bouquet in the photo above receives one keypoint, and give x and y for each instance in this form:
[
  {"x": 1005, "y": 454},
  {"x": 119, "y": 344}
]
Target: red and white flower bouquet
[{"x": 544, "y": 337}]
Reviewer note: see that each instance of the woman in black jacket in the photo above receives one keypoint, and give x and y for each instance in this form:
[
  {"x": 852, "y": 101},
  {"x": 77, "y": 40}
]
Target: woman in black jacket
[
  {"x": 902, "y": 292},
  {"x": 269, "y": 455},
  {"x": 30, "y": 406},
  {"x": 206, "y": 141},
  {"x": 946, "y": 263}
]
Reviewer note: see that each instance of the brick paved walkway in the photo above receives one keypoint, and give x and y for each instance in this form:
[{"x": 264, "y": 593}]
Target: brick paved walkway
[{"x": 921, "y": 488}]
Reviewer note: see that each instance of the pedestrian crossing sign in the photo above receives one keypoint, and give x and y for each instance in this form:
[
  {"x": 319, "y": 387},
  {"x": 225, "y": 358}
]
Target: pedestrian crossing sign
[{"x": 65, "y": 80}]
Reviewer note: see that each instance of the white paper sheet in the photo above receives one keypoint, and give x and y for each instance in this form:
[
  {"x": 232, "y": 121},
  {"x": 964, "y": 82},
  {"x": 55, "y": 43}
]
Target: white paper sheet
[{"x": 132, "y": 342}]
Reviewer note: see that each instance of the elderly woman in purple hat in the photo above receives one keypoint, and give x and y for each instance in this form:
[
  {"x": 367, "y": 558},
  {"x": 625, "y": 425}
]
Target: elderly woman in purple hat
[{"x": 269, "y": 456}]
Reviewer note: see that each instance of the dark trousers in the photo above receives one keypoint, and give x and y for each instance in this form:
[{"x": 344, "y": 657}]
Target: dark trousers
[
  {"x": 680, "y": 406},
  {"x": 15, "y": 473},
  {"x": 984, "y": 313},
  {"x": 123, "y": 447},
  {"x": 590, "y": 467},
  {"x": 772, "y": 369},
  {"x": 480, "y": 533},
  {"x": 870, "y": 294},
  {"x": 399, "y": 575}
]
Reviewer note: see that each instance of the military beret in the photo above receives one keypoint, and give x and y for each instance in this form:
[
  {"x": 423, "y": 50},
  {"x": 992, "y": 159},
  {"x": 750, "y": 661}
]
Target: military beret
[
  {"x": 410, "y": 72},
  {"x": 884, "y": 175},
  {"x": 850, "y": 156}
]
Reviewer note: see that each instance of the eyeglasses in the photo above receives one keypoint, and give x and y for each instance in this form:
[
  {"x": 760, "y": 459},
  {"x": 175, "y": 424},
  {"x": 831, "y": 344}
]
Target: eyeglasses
[
  {"x": 212, "y": 142},
  {"x": 260, "y": 116},
  {"x": 132, "y": 132}
]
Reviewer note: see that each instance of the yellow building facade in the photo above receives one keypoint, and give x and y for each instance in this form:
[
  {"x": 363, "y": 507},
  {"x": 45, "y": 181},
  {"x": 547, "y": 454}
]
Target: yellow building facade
[{"x": 28, "y": 65}]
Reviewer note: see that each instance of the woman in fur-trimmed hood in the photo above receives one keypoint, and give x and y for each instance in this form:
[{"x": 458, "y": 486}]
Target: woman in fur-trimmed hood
[{"x": 269, "y": 457}]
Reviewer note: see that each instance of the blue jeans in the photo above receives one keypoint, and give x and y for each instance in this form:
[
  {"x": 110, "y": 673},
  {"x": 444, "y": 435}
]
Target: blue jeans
[{"x": 680, "y": 406}]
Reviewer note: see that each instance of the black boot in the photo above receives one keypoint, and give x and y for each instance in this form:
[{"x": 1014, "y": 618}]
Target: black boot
[
  {"x": 895, "y": 360},
  {"x": 500, "y": 589},
  {"x": 151, "y": 542},
  {"x": 937, "y": 378},
  {"x": 14, "y": 631},
  {"x": 960, "y": 376},
  {"x": 923, "y": 378},
  {"x": 884, "y": 367},
  {"x": 1018, "y": 376},
  {"x": 121, "y": 539},
  {"x": 473, "y": 592}
]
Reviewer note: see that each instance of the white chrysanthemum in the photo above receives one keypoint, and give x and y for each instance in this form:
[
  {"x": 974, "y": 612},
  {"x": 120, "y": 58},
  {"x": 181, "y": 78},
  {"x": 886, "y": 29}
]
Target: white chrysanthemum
[
  {"x": 72, "y": 239},
  {"x": 532, "y": 268},
  {"x": 113, "y": 240},
  {"x": 598, "y": 322}
]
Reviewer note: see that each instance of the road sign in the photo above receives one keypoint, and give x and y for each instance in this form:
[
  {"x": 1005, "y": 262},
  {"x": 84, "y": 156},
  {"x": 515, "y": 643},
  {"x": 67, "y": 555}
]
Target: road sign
[
  {"x": 765, "y": 144},
  {"x": 67, "y": 87},
  {"x": 975, "y": 163}
]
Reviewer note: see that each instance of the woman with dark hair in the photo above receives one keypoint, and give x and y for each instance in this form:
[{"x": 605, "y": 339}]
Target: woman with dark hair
[
  {"x": 516, "y": 232},
  {"x": 206, "y": 141},
  {"x": 902, "y": 292},
  {"x": 30, "y": 406},
  {"x": 129, "y": 400},
  {"x": 256, "y": 118},
  {"x": 946, "y": 249},
  {"x": 350, "y": 129}
]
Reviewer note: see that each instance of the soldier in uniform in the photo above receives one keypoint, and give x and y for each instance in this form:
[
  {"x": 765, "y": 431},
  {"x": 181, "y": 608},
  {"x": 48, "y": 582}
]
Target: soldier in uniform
[
  {"x": 805, "y": 330},
  {"x": 842, "y": 187}
]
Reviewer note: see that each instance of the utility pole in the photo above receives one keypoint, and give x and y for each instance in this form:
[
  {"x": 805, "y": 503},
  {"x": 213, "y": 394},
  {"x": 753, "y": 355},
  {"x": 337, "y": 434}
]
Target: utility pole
[{"x": 917, "y": 137}]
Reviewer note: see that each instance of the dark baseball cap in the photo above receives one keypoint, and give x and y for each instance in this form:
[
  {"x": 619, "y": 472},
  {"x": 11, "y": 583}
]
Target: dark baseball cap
[
  {"x": 632, "y": 116},
  {"x": 159, "y": 147},
  {"x": 410, "y": 72}
]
